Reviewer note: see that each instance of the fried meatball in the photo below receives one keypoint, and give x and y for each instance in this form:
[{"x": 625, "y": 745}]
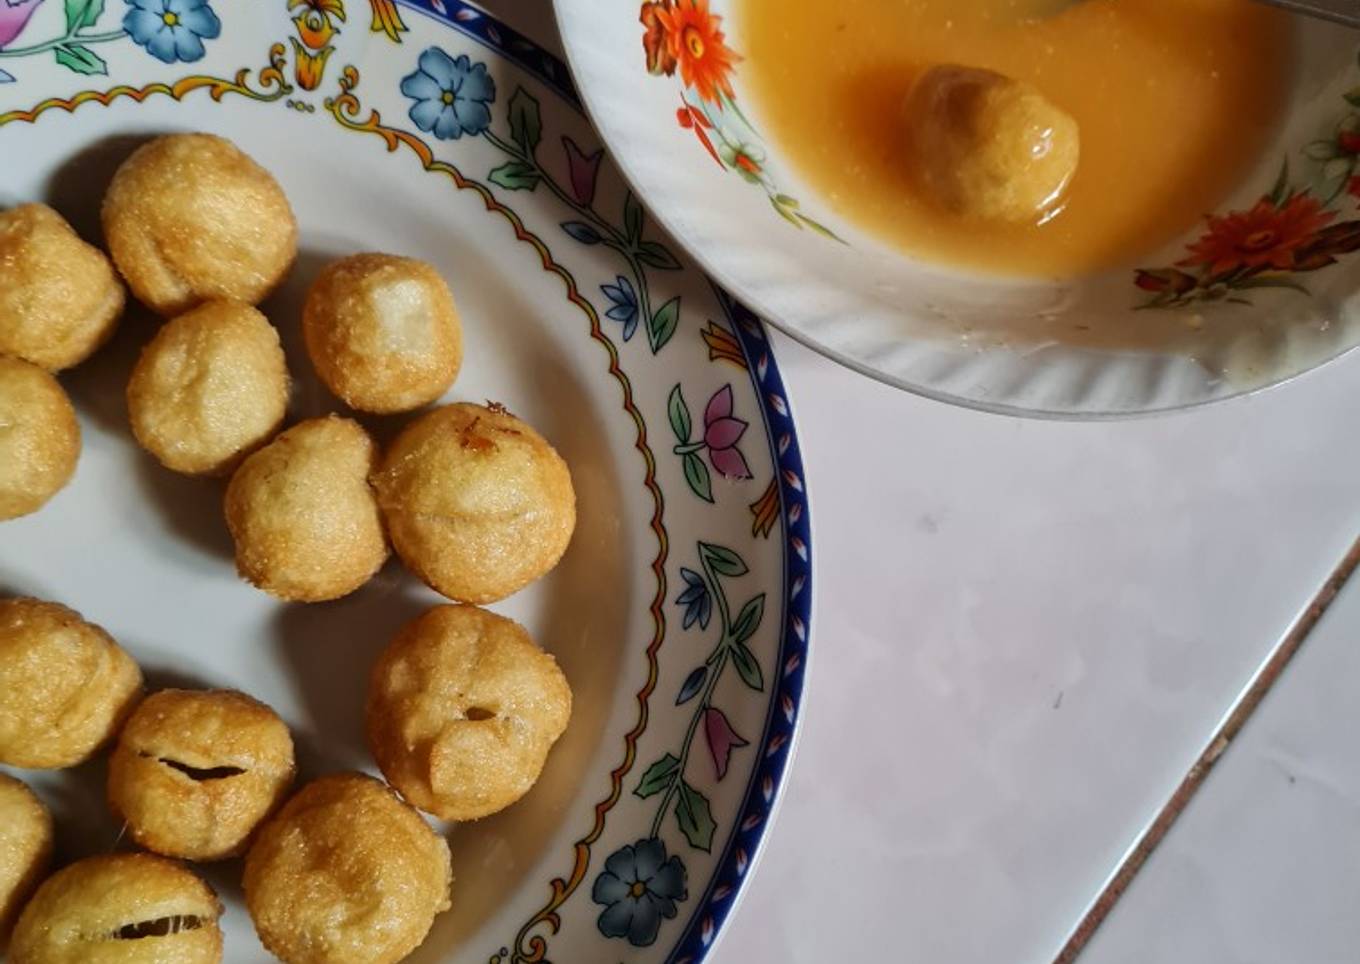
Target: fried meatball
[
  {"x": 462, "y": 710},
  {"x": 59, "y": 297},
  {"x": 120, "y": 909},
  {"x": 383, "y": 332},
  {"x": 346, "y": 873},
  {"x": 301, "y": 512},
  {"x": 209, "y": 388},
  {"x": 39, "y": 438},
  {"x": 989, "y": 146},
  {"x": 194, "y": 772},
  {"x": 189, "y": 218},
  {"x": 65, "y": 685},
  {"x": 477, "y": 503},
  {"x": 25, "y": 849}
]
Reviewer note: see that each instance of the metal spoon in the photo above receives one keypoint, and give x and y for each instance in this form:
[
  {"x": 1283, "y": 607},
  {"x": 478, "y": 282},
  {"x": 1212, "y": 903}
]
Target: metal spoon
[{"x": 1346, "y": 12}]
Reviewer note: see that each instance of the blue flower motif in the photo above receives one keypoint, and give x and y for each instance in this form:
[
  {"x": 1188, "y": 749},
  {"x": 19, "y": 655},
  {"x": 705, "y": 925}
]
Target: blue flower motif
[
  {"x": 171, "y": 30},
  {"x": 451, "y": 95},
  {"x": 638, "y": 887},
  {"x": 625, "y": 304},
  {"x": 695, "y": 599}
]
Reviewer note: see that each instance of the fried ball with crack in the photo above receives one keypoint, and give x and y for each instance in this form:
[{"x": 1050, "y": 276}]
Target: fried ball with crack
[
  {"x": 304, "y": 520},
  {"x": 477, "y": 503},
  {"x": 462, "y": 710},
  {"x": 120, "y": 909},
  {"x": 65, "y": 685},
  {"x": 346, "y": 873},
  {"x": 209, "y": 388},
  {"x": 25, "y": 848},
  {"x": 190, "y": 218},
  {"x": 39, "y": 438},
  {"x": 383, "y": 332},
  {"x": 195, "y": 772},
  {"x": 59, "y": 297}
]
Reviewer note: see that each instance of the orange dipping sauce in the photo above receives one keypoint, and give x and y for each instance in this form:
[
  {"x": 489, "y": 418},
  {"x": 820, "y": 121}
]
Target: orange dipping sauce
[{"x": 1175, "y": 101}]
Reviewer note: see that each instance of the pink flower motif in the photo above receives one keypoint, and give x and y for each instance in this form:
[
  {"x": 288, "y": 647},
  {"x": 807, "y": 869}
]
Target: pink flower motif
[
  {"x": 722, "y": 739},
  {"x": 721, "y": 433},
  {"x": 583, "y": 169},
  {"x": 14, "y": 16}
]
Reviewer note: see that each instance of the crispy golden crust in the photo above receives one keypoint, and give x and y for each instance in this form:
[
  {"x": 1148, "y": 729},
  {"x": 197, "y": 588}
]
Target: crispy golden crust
[
  {"x": 462, "y": 711},
  {"x": 25, "y": 849},
  {"x": 100, "y": 910},
  {"x": 65, "y": 685},
  {"x": 39, "y": 438},
  {"x": 59, "y": 297},
  {"x": 194, "y": 773},
  {"x": 346, "y": 874},
  {"x": 209, "y": 388},
  {"x": 477, "y": 503},
  {"x": 383, "y": 332},
  {"x": 302, "y": 514},
  {"x": 189, "y": 218}
]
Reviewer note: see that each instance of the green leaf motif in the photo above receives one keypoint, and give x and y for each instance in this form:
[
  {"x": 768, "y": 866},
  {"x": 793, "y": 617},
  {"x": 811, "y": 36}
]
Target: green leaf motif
[
  {"x": 748, "y": 620},
  {"x": 80, "y": 59},
  {"x": 82, "y": 13},
  {"x": 722, "y": 560},
  {"x": 657, "y": 777},
  {"x": 695, "y": 818},
  {"x": 632, "y": 217},
  {"x": 1353, "y": 96},
  {"x": 820, "y": 228},
  {"x": 1280, "y": 192},
  {"x": 526, "y": 126},
  {"x": 654, "y": 254},
  {"x": 697, "y": 477},
  {"x": 679, "y": 415},
  {"x": 663, "y": 324},
  {"x": 515, "y": 176},
  {"x": 784, "y": 211},
  {"x": 745, "y": 662},
  {"x": 1322, "y": 150}
]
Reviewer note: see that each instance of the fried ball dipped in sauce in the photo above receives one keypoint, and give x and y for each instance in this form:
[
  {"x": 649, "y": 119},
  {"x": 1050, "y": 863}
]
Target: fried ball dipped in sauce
[
  {"x": 59, "y": 297},
  {"x": 302, "y": 515},
  {"x": 120, "y": 909},
  {"x": 25, "y": 849},
  {"x": 39, "y": 438},
  {"x": 383, "y": 332},
  {"x": 65, "y": 685},
  {"x": 189, "y": 218},
  {"x": 988, "y": 146},
  {"x": 209, "y": 388},
  {"x": 462, "y": 710},
  {"x": 477, "y": 503},
  {"x": 194, "y": 772},
  {"x": 346, "y": 873}
]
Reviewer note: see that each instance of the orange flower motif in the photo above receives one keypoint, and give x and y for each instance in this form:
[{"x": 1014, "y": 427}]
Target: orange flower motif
[
  {"x": 1267, "y": 236},
  {"x": 314, "y": 23},
  {"x": 695, "y": 40},
  {"x": 387, "y": 19},
  {"x": 654, "y": 42},
  {"x": 310, "y": 67}
]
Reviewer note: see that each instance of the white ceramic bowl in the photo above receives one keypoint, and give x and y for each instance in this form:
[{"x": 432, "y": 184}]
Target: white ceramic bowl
[{"x": 1120, "y": 343}]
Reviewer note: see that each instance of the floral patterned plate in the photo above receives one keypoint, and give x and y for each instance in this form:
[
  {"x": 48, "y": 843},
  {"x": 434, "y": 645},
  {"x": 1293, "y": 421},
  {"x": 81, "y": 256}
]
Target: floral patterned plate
[
  {"x": 681, "y": 612},
  {"x": 1256, "y": 293}
]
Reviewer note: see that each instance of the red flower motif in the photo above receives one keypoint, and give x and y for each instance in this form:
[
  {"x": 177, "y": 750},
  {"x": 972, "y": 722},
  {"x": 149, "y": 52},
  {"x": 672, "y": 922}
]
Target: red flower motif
[
  {"x": 660, "y": 60},
  {"x": 722, "y": 432},
  {"x": 722, "y": 739},
  {"x": 696, "y": 43},
  {"x": 1353, "y": 186},
  {"x": 692, "y": 119},
  {"x": 1267, "y": 236}
]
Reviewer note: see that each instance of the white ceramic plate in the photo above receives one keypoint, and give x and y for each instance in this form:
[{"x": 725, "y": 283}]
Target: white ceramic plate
[
  {"x": 680, "y": 614},
  {"x": 1285, "y": 301}
]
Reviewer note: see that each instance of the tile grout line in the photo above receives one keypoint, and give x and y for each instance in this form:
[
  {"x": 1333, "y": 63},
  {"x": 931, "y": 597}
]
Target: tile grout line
[{"x": 1265, "y": 678}]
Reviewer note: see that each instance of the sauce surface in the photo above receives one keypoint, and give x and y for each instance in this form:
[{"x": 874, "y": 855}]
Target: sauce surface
[{"x": 1175, "y": 100}]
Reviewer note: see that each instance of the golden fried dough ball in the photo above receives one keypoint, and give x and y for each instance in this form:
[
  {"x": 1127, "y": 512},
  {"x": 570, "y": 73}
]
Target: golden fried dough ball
[
  {"x": 346, "y": 873},
  {"x": 65, "y": 685},
  {"x": 209, "y": 388},
  {"x": 59, "y": 297},
  {"x": 302, "y": 514},
  {"x": 462, "y": 710},
  {"x": 194, "y": 772},
  {"x": 990, "y": 146},
  {"x": 120, "y": 909},
  {"x": 190, "y": 218},
  {"x": 39, "y": 438},
  {"x": 25, "y": 848},
  {"x": 383, "y": 332},
  {"x": 477, "y": 503}
]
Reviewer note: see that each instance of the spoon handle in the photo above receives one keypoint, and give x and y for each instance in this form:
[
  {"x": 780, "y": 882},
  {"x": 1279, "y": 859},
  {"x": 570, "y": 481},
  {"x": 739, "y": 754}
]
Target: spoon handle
[{"x": 1338, "y": 11}]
